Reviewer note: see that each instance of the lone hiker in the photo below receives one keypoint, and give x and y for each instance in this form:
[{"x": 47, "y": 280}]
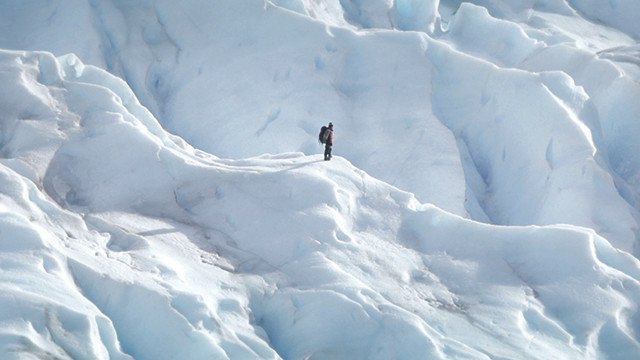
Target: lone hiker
[{"x": 326, "y": 137}]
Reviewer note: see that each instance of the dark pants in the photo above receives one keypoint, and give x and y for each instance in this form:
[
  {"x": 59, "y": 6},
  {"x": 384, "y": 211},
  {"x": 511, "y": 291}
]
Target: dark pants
[{"x": 327, "y": 151}]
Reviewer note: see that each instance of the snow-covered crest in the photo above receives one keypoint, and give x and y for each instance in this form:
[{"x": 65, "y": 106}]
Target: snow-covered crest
[{"x": 232, "y": 239}]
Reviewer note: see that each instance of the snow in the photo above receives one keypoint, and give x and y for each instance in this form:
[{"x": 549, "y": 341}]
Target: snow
[{"x": 163, "y": 196}]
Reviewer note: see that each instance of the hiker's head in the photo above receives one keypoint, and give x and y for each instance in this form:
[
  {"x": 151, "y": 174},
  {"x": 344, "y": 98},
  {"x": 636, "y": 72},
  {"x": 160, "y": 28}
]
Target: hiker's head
[{"x": 330, "y": 125}]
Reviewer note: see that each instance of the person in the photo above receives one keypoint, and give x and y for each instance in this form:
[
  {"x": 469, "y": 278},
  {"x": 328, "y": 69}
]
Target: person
[{"x": 329, "y": 143}]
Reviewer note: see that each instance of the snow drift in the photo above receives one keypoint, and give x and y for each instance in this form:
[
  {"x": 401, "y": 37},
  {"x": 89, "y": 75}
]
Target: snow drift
[{"x": 120, "y": 240}]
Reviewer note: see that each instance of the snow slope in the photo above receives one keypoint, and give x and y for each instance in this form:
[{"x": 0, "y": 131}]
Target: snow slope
[
  {"x": 248, "y": 77},
  {"x": 120, "y": 240}
]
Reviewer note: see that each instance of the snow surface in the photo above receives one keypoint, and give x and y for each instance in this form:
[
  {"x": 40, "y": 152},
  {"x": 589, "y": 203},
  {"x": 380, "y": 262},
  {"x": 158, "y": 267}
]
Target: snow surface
[{"x": 163, "y": 196}]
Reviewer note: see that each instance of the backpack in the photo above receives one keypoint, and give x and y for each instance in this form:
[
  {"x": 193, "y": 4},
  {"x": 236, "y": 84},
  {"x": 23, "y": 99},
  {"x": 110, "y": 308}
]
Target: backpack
[{"x": 322, "y": 136}]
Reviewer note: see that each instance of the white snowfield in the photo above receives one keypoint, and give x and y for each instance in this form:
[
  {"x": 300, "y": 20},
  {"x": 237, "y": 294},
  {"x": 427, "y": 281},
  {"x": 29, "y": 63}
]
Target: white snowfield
[{"x": 163, "y": 194}]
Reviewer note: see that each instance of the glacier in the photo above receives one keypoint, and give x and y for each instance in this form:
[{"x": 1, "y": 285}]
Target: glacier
[{"x": 163, "y": 194}]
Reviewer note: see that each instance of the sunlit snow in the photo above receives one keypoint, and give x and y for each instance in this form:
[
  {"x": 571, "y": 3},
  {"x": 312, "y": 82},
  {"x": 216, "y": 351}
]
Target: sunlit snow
[{"x": 163, "y": 194}]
